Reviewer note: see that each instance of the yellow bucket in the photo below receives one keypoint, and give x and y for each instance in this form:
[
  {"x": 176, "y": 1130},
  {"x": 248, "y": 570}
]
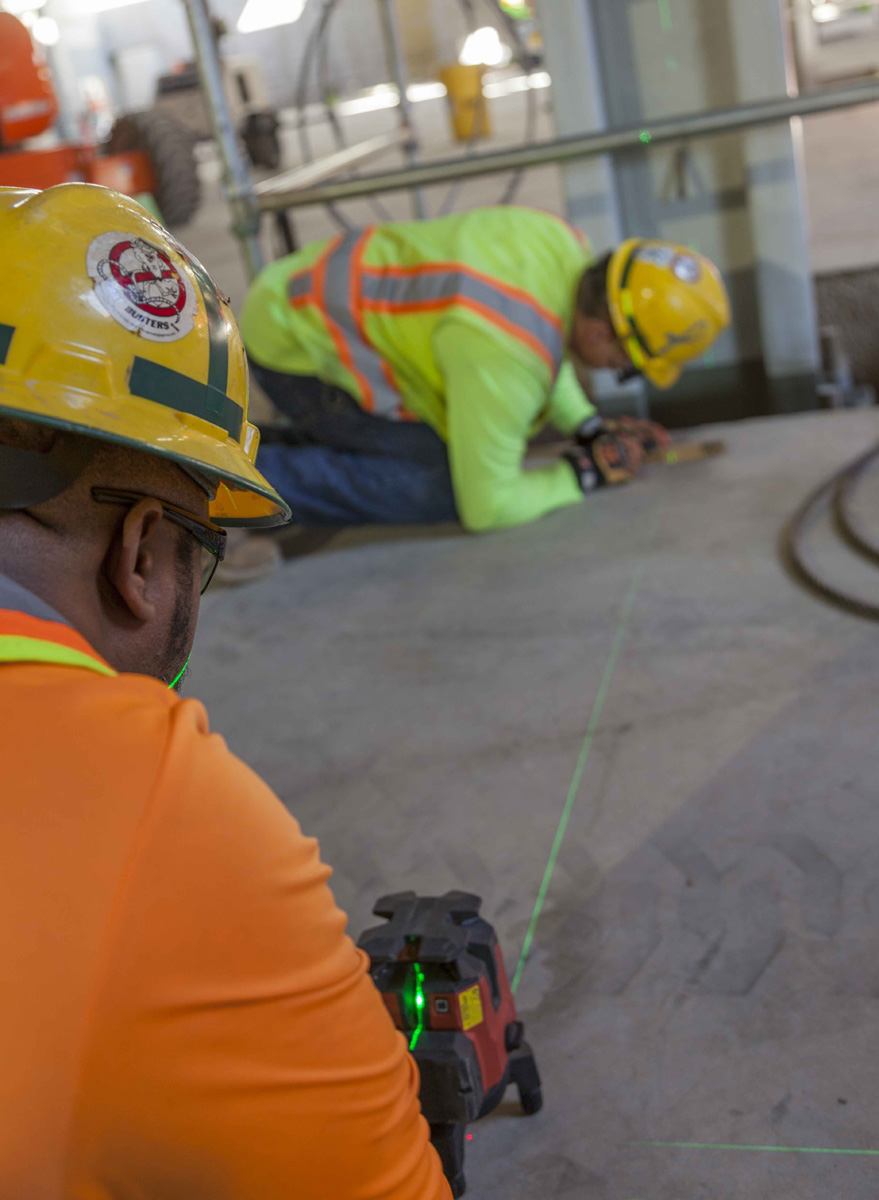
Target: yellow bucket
[{"x": 467, "y": 103}]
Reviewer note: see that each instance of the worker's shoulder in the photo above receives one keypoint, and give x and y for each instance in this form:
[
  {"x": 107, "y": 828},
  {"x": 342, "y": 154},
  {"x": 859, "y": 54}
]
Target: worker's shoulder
[
  {"x": 130, "y": 719},
  {"x": 277, "y": 274},
  {"x": 535, "y": 221},
  {"x": 143, "y": 710}
]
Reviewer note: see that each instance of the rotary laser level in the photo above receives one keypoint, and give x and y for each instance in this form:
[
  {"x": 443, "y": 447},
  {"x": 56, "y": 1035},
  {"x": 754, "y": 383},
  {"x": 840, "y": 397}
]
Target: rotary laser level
[{"x": 441, "y": 973}]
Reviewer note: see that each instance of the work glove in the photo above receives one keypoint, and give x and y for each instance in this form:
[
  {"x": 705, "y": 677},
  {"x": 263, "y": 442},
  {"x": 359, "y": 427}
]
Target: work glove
[
  {"x": 607, "y": 459},
  {"x": 648, "y": 434}
]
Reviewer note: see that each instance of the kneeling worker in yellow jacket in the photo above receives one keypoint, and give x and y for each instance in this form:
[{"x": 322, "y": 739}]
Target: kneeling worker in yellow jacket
[{"x": 415, "y": 360}]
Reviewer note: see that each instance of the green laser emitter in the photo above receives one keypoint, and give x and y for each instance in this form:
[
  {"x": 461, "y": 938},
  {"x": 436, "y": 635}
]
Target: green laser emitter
[{"x": 439, "y": 968}]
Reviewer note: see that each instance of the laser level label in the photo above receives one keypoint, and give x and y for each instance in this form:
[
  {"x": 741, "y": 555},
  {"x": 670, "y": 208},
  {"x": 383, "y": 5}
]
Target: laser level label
[{"x": 471, "y": 1008}]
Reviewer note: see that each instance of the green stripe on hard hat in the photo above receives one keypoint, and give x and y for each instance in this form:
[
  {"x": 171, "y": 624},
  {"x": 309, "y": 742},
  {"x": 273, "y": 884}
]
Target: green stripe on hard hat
[
  {"x": 152, "y": 381},
  {"x": 218, "y": 356},
  {"x": 624, "y": 283},
  {"x": 6, "y": 332}
]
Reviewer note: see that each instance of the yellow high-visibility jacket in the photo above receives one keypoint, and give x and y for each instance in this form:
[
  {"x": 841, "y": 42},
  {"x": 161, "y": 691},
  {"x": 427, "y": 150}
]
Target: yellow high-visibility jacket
[{"x": 462, "y": 322}]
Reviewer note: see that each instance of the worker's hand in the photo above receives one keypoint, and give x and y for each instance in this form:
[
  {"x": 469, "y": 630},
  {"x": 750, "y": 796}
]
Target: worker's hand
[
  {"x": 647, "y": 434},
  {"x": 606, "y": 459}
]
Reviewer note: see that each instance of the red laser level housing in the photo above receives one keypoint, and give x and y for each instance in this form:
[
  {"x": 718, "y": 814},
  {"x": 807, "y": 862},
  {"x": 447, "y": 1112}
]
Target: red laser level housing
[{"x": 439, "y": 968}]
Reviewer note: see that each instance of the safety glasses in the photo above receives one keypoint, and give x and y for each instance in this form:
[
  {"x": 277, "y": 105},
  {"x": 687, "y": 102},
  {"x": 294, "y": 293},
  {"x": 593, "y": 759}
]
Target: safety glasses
[{"x": 210, "y": 537}]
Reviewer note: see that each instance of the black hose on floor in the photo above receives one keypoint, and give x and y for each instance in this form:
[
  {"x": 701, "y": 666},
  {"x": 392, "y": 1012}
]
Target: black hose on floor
[{"x": 838, "y": 492}]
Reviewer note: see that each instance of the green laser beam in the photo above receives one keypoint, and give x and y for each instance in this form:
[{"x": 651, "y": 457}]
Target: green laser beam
[
  {"x": 179, "y": 673},
  {"x": 419, "y": 1004},
  {"x": 665, "y": 21},
  {"x": 594, "y": 718},
  {"x": 771, "y": 1149}
]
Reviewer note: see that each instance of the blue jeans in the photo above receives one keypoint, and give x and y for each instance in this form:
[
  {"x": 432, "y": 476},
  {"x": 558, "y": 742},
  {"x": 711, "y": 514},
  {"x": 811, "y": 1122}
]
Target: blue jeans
[{"x": 336, "y": 464}]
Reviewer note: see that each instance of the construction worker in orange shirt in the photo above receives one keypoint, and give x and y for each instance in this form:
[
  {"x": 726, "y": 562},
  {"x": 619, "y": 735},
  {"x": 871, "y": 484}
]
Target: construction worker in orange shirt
[{"x": 183, "y": 1015}]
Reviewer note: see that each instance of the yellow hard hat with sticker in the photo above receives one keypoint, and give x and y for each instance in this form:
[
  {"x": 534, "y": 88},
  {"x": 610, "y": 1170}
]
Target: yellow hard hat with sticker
[
  {"x": 667, "y": 304},
  {"x": 110, "y": 328}
]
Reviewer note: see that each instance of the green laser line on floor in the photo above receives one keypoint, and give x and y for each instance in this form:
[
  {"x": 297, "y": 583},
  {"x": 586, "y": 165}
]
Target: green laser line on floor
[
  {"x": 583, "y": 758},
  {"x": 770, "y": 1149}
]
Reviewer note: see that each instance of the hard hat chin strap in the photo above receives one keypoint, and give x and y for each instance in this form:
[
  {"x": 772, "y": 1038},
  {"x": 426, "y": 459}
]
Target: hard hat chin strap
[{"x": 31, "y": 477}]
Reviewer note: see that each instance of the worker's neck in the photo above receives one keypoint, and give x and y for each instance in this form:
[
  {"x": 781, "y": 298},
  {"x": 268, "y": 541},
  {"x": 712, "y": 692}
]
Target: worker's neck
[{"x": 60, "y": 589}]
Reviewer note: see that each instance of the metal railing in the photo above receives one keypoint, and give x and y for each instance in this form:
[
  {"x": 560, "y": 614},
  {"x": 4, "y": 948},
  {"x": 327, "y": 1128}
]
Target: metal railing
[
  {"x": 287, "y": 192},
  {"x": 309, "y": 174},
  {"x": 569, "y": 149}
]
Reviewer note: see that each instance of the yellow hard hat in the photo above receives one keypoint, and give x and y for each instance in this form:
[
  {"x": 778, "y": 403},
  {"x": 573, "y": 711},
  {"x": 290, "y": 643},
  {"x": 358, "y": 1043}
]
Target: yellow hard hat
[
  {"x": 667, "y": 304},
  {"x": 109, "y": 328}
]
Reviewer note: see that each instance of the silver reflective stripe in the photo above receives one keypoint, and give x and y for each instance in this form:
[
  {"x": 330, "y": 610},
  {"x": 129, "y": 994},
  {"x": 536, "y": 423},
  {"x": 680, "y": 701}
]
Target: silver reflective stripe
[
  {"x": 17, "y": 598},
  {"x": 381, "y": 398},
  {"x": 299, "y": 285},
  {"x": 451, "y": 285}
]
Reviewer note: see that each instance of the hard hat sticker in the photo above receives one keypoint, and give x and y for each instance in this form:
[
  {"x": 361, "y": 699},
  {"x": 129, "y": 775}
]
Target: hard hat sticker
[
  {"x": 686, "y": 268},
  {"x": 657, "y": 256},
  {"x": 139, "y": 286}
]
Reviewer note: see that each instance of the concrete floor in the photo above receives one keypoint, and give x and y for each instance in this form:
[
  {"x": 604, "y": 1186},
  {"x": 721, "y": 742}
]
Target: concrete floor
[{"x": 706, "y": 968}]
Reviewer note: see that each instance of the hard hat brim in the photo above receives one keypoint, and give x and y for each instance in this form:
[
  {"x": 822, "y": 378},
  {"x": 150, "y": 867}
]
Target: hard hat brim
[
  {"x": 245, "y": 498},
  {"x": 661, "y": 372}
]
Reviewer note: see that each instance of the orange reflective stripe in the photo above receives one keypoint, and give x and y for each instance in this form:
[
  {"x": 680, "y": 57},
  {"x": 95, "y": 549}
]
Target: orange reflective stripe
[
  {"x": 354, "y": 306},
  {"x": 432, "y": 287},
  {"x": 300, "y": 288},
  {"x": 338, "y": 338},
  {"x": 461, "y": 301},
  {"x": 24, "y": 638},
  {"x": 337, "y": 288},
  {"x": 447, "y": 268}
]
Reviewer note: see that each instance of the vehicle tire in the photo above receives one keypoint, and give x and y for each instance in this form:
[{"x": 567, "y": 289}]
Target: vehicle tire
[{"x": 171, "y": 151}]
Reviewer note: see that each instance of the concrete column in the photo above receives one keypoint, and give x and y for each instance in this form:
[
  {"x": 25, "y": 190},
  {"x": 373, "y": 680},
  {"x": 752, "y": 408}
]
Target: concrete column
[
  {"x": 736, "y": 198},
  {"x": 591, "y": 187},
  {"x": 774, "y": 163}
]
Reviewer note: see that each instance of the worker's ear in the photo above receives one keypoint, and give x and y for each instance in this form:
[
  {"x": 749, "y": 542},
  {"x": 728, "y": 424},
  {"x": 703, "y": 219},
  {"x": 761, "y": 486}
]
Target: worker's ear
[{"x": 132, "y": 561}]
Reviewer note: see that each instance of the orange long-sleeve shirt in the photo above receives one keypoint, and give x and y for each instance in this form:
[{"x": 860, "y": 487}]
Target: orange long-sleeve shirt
[{"x": 182, "y": 1016}]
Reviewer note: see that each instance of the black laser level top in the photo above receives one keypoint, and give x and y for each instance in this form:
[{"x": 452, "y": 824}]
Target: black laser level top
[{"x": 439, "y": 968}]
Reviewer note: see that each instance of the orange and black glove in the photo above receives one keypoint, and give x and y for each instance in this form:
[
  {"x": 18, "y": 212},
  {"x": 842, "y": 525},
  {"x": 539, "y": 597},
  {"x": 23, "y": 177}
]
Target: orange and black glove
[
  {"x": 607, "y": 459},
  {"x": 648, "y": 434}
]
